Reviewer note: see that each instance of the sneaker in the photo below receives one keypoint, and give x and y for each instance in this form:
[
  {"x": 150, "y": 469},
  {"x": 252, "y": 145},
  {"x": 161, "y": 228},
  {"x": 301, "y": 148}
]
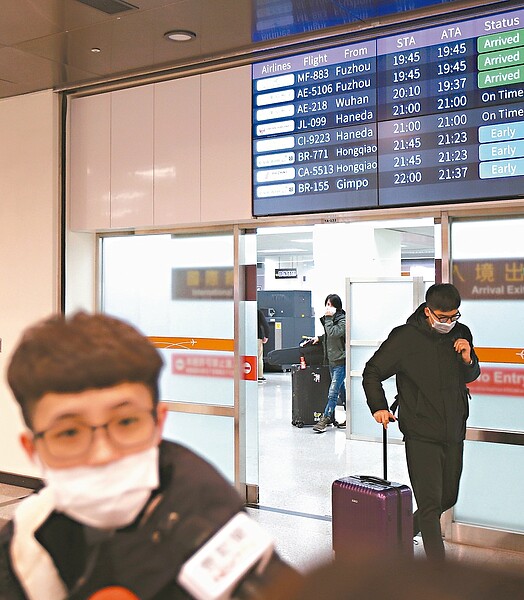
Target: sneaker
[
  {"x": 322, "y": 424},
  {"x": 341, "y": 425},
  {"x": 261, "y": 379}
]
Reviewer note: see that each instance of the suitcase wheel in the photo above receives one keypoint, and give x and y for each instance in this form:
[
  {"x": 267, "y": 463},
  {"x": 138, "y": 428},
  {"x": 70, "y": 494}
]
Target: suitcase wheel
[{"x": 298, "y": 424}]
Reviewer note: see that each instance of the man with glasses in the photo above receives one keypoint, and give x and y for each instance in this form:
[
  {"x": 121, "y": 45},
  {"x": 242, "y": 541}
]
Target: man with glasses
[
  {"x": 433, "y": 359},
  {"x": 120, "y": 507}
]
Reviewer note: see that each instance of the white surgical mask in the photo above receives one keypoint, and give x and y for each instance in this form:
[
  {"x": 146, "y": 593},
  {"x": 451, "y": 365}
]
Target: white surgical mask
[
  {"x": 443, "y": 327},
  {"x": 330, "y": 310},
  {"x": 108, "y": 496}
]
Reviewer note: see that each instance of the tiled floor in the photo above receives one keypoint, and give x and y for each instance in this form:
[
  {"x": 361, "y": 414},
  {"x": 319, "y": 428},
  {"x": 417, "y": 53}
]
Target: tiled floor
[{"x": 297, "y": 468}]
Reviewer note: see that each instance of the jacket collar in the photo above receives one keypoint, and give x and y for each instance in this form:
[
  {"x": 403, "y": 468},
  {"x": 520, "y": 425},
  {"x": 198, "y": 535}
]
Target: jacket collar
[{"x": 31, "y": 562}]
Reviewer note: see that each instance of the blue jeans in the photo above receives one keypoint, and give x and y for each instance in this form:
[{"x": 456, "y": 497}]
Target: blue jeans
[{"x": 338, "y": 375}]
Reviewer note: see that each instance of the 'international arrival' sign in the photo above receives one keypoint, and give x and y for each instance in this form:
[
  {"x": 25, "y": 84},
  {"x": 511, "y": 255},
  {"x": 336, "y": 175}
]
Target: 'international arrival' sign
[
  {"x": 490, "y": 279},
  {"x": 202, "y": 283}
]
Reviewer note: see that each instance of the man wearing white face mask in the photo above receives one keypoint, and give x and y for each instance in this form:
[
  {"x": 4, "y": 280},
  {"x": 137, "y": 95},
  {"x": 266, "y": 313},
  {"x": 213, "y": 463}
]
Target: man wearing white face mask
[
  {"x": 120, "y": 507},
  {"x": 334, "y": 344},
  {"x": 433, "y": 359}
]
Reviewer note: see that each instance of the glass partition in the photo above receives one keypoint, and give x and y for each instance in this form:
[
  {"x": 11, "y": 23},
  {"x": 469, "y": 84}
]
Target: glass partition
[
  {"x": 208, "y": 435},
  {"x": 498, "y": 504},
  {"x": 488, "y": 269},
  {"x": 365, "y": 300},
  {"x": 178, "y": 290}
]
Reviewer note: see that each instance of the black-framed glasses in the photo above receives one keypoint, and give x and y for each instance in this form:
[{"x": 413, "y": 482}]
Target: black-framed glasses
[
  {"x": 72, "y": 438},
  {"x": 444, "y": 319}
]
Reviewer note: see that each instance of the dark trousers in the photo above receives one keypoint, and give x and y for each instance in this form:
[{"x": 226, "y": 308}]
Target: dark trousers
[{"x": 434, "y": 472}]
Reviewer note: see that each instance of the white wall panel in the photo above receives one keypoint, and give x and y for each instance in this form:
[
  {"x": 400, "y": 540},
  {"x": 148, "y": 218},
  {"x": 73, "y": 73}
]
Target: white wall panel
[
  {"x": 177, "y": 151},
  {"x": 180, "y": 154},
  {"x": 90, "y": 163},
  {"x": 226, "y": 145},
  {"x": 132, "y": 157},
  {"x": 29, "y": 238}
]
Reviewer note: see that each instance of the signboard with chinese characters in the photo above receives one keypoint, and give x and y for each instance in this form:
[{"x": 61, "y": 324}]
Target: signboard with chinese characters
[
  {"x": 210, "y": 364},
  {"x": 204, "y": 283},
  {"x": 490, "y": 279}
]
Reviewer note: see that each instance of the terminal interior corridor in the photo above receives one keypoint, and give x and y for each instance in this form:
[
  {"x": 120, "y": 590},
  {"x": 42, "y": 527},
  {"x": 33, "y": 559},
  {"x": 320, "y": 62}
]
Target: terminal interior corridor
[{"x": 297, "y": 468}]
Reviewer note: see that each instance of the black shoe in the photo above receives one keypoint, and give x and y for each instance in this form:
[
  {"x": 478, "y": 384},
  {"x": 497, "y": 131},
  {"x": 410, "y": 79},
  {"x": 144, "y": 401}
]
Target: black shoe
[
  {"x": 341, "y": 425},
  {"x": 261, "y": 379}
]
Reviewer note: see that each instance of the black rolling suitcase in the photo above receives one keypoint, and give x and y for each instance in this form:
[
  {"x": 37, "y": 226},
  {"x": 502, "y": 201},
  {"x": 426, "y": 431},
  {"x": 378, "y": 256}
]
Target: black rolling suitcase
[
  {"x": 371, "y": 514},
  {"x": 284, "y": 357},
  {"x": 311, "y": 354},
  {"x": 309, "y": 388}
]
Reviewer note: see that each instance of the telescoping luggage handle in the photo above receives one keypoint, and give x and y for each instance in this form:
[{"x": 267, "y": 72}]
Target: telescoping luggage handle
[
  {"x": 385, "y": 450},
  {"x": 385, "y": 441},
  {"x": 372, "y": 479}
]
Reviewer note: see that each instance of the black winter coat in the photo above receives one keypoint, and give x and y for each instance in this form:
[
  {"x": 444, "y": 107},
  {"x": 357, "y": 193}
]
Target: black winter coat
[
  {"x": 193, "y": 500},
  {"x": 430, "y": 377}
]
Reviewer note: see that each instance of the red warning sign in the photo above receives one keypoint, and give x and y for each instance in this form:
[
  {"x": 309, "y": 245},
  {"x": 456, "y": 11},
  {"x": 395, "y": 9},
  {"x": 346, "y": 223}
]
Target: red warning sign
[
  {"x": 499, "y": 381},
  {"x": 211, "y": 365}
]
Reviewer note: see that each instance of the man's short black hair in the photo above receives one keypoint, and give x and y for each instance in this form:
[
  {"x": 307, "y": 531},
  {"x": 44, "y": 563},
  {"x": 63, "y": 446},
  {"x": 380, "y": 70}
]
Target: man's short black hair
[
  {"x": 335, "y": 301},
  {"x": 73, "y": 354},
  {"x": 443, "y": 296}
]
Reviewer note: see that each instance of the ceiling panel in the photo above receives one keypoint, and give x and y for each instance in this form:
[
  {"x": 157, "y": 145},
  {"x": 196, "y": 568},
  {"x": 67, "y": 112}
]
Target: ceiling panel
[
  {"x": 8, "y": 88},
  {"x": 74, "y": 49},
  {"x": 28, "y": 19},
  {"x": 138, "y": 40},
  {"x": 27, "y": 72},
  {"x": 47, "y": 43}
]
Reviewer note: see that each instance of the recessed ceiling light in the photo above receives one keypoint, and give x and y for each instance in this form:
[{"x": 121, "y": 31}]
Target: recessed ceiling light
[
  {"x": 95, "y": 50},
  {"x": 180, "y": 35}
]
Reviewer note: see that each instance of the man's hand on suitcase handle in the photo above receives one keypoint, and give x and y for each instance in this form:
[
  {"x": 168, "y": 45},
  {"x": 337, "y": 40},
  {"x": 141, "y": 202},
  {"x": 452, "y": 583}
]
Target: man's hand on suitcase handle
[{"x": 384, "y": 417}]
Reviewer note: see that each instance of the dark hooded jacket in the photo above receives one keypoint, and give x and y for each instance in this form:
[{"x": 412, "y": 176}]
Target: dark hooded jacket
[
  {"x": 192, "y": 503},
  {"x": 334, "y": 338},
  {"x": 431, "y": 379}
]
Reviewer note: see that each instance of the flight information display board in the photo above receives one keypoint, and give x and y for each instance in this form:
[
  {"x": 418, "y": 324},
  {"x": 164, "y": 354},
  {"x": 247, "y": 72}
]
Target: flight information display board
[{"x": 424, "y": 116}]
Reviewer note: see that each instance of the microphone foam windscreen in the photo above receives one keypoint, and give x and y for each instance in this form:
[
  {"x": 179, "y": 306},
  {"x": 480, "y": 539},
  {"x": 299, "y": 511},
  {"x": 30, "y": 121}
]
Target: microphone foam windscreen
[{"x": 114, "y": 593}]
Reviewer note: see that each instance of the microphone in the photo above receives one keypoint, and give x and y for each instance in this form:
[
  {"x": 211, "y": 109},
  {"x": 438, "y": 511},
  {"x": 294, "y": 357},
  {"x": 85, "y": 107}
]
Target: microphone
[
  {"x": 114, "y": 592},
  {"x": 235, "y": 555}
]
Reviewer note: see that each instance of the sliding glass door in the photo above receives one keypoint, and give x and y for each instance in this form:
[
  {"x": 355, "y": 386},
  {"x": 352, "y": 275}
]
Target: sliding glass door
[
  {"x": 488, "y": 269},
  {"x": 179, "y": 290}
]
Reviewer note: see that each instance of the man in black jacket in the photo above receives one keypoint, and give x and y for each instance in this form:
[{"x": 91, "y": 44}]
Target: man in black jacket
[
  {"x": 263, "y": 337},
  {"x": 433, "y": 359},
  {"x": 120, "y": 507}
]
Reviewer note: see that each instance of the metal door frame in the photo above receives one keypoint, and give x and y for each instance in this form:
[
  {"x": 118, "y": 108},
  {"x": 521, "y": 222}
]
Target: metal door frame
[{"x": 418, "y": 297}]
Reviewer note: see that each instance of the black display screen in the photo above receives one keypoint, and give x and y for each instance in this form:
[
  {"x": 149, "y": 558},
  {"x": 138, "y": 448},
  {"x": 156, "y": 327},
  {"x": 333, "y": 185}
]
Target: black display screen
[{"x": 425, "y": 116}]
